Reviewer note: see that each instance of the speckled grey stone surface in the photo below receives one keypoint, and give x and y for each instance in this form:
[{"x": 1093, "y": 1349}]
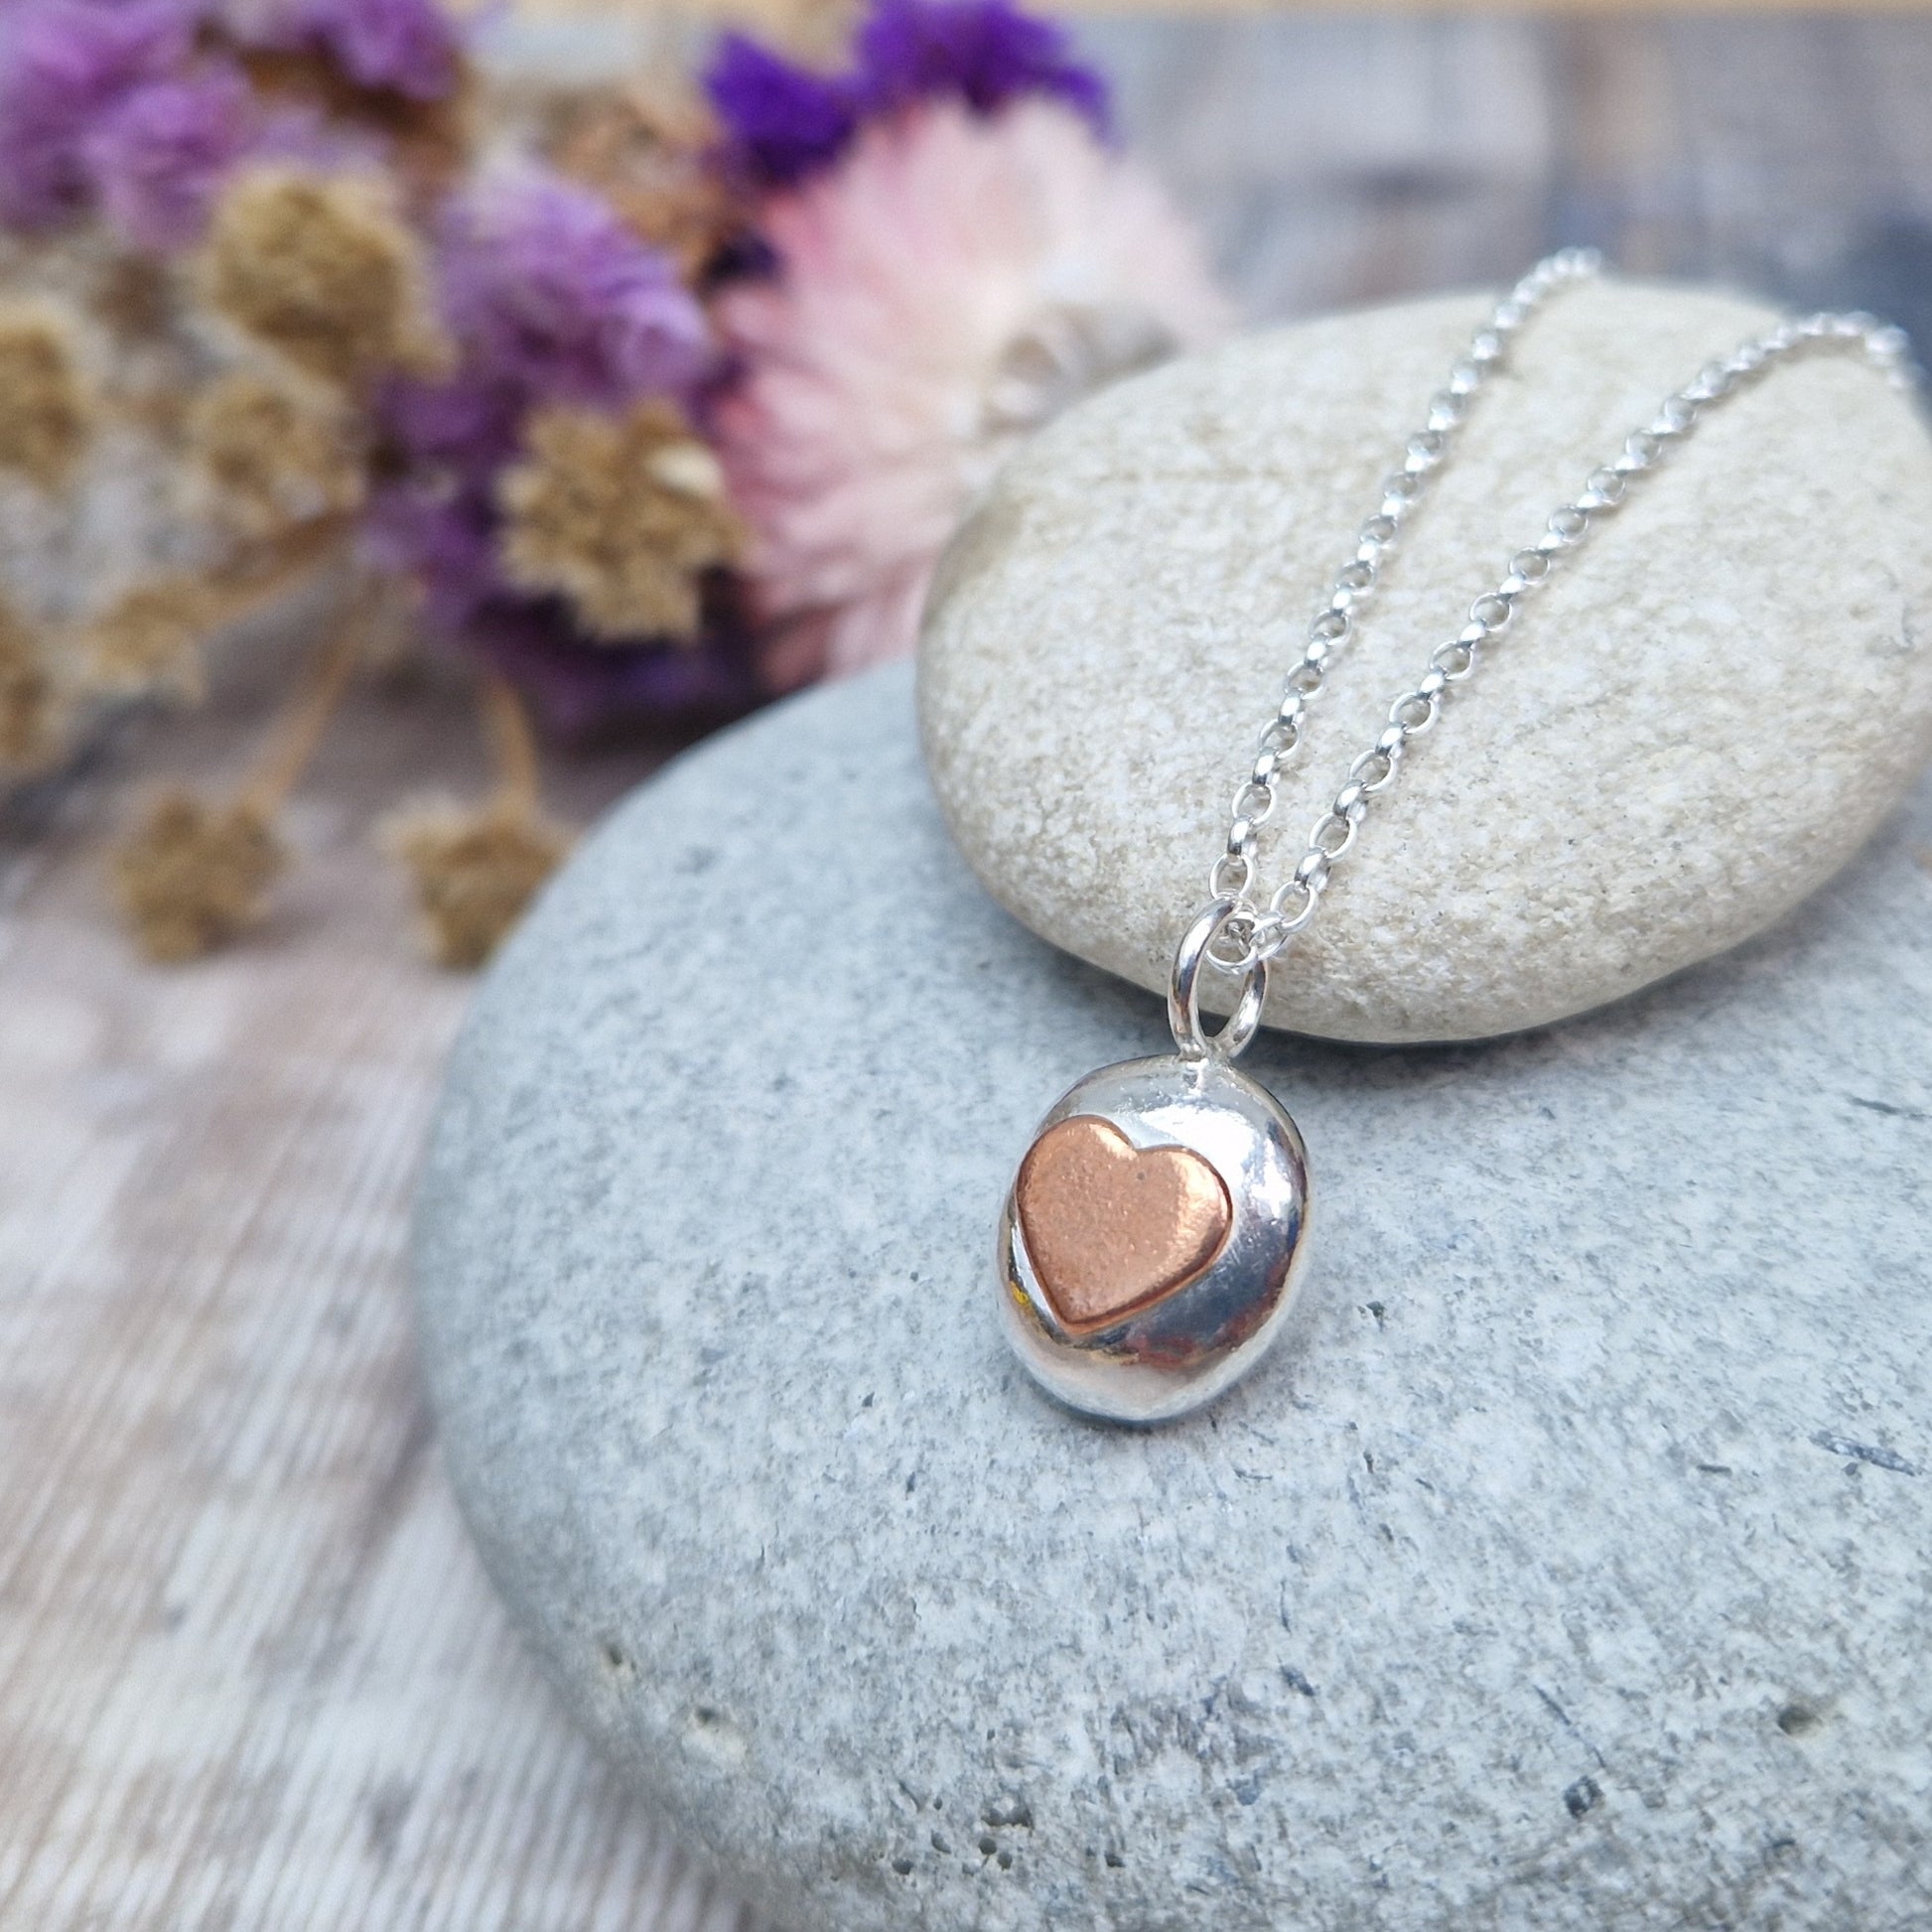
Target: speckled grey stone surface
[
  {"x": 1696, "y": 723},
  {"x": 1569, "y": 1569}
]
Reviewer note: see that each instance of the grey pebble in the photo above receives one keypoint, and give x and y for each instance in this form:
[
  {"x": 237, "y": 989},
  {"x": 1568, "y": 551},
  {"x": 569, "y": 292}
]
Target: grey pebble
[{"x": 1569, "y": 1567}]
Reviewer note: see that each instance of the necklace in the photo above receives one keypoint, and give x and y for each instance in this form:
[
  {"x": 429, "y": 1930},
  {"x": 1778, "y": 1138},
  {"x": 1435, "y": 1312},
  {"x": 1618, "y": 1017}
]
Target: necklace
[{"x": 1156, "y": 1232}]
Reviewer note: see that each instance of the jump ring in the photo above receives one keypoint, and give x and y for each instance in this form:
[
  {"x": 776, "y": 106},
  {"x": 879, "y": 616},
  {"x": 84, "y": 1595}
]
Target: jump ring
[{"x": 1183, "y": 991}]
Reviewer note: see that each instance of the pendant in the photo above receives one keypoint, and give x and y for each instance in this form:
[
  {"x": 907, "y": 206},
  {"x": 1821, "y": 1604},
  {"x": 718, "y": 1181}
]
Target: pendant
[{"x": 1154, "y": 1236}]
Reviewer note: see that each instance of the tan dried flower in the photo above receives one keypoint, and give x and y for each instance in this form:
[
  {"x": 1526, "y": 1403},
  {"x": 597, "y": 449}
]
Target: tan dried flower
[
  {"x": 322, "y": 269},
  {"x": 623, "y": 517},
  {"x": 267, "y": 455},
  {"x": 150, "y": 637},
  {"x": 474, "y": 872},
  {"x": 192, "y": 874},
  {"x": 45, "y": 410},
  {"x": 33, "y": 715},
  {"x": 653, "y": 161}
]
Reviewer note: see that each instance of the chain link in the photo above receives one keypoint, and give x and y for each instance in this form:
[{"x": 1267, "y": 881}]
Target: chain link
[{"x": 1248, "y": 933}]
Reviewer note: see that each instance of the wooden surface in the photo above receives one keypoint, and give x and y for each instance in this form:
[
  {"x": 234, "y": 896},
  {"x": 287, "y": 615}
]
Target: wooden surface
[{"x": 250, "y": 1675}]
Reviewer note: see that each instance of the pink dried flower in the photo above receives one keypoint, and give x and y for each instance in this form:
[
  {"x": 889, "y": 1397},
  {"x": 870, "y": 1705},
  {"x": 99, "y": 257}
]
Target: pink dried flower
[{"x": 949, "y": 287}]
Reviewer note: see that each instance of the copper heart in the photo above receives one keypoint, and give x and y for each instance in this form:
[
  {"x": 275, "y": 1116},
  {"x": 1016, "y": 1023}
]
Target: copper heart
[{"x": 1111, "y": 1227}]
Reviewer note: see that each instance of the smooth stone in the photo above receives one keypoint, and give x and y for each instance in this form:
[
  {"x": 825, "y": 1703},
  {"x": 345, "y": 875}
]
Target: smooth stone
[
  {"x": 1565, "y": 1570},
  {"x": 1692, "y": 726}
]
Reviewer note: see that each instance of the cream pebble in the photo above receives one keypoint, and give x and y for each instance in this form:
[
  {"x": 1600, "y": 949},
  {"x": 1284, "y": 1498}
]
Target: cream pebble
[{"x": 1701, "y": 716}]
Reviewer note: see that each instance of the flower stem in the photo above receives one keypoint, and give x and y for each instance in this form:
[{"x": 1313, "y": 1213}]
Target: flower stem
[
  {"x": 298, "y": 731},
  {"x": 512, "y": 743},
  {"x": 258, "y": 576}
]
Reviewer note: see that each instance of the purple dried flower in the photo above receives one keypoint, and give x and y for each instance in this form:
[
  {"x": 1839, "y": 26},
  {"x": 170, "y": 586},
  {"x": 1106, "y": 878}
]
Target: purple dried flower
[
  {"x": 64, "y": 66},
  {"x": 466, "y": 424},
  {"x": 580, "y": 685},
  {"x": 784, "y": 123},
  {"x": 158, "y": 158},
  {"x": 549, "y": 293},
  {"x": 985, "y": 52},
  {"x": 446, "y": 542},
  {"x": 411, "y": 47},
  {"x": 445, "y": 539},
  {"x": 298, "y": 132},
  {"x": 550, "y": 299}
]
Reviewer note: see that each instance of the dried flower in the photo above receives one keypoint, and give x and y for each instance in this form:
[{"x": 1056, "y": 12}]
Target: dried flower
[
  {"x": 621, "y": 517},
  {"x": 551, "y": 300},
  {"x": 150, "y": 637},
  {"x": 785, "y": 123},
  {"x": 951, "y": 286},
  {"x": 315, "y": 116},
  {"x": 192, "y": 874},
  {"x": 583, "y": 688},
  {"x": 549, "y": 294},
  {"x": 474, "y": 872},
  {"x": 412, "y": 47},
  {"x": 268, "y": 454},
  {"x": 64, "y": 65},
  {"x": 652, "y": 164},
  {"x": 985, "y": 53},
  {"x": 321, "y": 269},
  {"x": 442, "y": 540},
  {"x": 157, "y": 160},
  {"x": 466, "y": 427},
  {"x": 33, "y": 715},
  {"x": 45, "y": 416}
]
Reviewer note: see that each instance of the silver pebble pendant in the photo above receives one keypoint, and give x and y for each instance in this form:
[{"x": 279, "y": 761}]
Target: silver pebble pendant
[{"x": 1155, "y": 1234}]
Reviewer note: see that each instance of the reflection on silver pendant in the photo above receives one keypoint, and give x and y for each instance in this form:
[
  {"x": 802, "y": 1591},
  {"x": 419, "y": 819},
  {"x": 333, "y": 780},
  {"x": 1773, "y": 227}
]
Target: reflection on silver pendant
[{"x": 1154, "y": 1237}]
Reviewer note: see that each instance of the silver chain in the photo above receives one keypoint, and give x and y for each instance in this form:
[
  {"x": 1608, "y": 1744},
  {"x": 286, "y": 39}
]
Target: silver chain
[{"x": 1240, "y": 933}]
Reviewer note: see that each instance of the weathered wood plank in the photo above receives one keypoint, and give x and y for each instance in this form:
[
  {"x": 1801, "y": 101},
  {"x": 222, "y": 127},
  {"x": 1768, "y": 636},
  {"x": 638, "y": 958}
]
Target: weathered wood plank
[{"x": 249, "y": 1672}]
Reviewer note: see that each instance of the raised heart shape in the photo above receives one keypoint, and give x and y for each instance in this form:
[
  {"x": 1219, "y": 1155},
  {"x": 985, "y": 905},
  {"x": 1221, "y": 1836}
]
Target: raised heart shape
[{"x": 1111, "y": 1228}]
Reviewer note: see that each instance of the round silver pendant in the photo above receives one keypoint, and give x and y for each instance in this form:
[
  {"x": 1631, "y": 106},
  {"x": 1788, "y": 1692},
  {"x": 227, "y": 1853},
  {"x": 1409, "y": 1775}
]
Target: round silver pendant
[{"x": 1154, "y": 1237}]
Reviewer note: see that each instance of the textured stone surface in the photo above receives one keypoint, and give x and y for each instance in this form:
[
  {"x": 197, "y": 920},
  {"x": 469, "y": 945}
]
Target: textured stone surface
[
  {"x": 1689, "y": 729},
  {"x": 1567, "y": 1569}
]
